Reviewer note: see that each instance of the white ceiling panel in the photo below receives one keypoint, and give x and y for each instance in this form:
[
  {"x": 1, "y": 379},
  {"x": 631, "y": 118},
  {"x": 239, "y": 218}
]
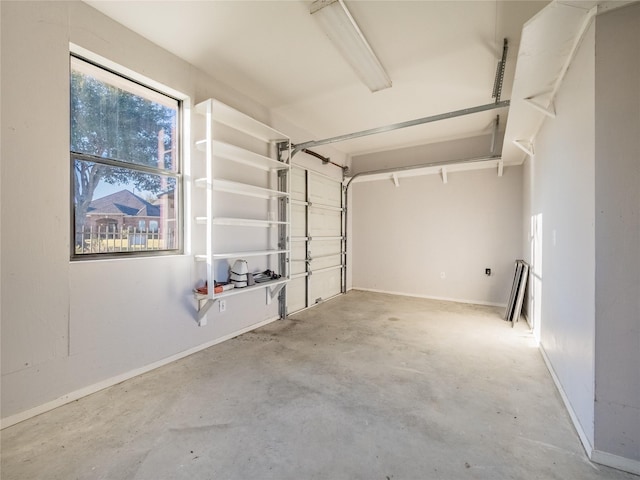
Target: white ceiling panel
[{"x": 440, "y": 55}]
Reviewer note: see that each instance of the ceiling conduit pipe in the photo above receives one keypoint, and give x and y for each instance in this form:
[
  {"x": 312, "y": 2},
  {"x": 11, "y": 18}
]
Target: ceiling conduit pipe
[{"x": 392, "y": 171}]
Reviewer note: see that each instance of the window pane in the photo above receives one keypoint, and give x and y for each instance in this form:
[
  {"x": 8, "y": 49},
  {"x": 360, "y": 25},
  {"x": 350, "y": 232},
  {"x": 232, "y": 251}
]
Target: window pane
[
  {"x": 112, "y": 117},
  {"x": 112, "y": 203}
]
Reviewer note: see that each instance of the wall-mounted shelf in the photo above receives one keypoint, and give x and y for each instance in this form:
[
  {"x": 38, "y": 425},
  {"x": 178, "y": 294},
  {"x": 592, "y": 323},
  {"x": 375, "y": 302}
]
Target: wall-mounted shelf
[
  {"x": 242, "y": 156},
  {"x": 205, "y": 302},
  {"x": 548, "y": 45},
  {"x": 247, "y": 222},
  {"x": 273, "y": 187},
  {"x": 242, "y": 122},
  {"x": 248, "y": 253},
  {"x": 239, "y": 188}
]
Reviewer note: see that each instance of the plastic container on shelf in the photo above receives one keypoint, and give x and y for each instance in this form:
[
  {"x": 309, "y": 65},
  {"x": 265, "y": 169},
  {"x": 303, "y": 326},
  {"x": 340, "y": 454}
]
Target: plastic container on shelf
[{"x": 239, "y": 275}]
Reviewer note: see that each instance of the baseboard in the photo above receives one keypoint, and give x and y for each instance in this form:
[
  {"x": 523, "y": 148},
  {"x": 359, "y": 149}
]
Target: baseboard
[
  {"x": 614, "y": 461},
  {"x": 584, "y": 439},
  {"x": 96, "y": 387},
  {"x": 429, "y": 297}
]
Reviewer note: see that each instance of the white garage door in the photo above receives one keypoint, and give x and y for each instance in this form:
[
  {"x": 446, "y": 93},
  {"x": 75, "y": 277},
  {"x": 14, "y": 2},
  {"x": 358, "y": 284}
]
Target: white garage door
[{"x": 317, "y": 239}]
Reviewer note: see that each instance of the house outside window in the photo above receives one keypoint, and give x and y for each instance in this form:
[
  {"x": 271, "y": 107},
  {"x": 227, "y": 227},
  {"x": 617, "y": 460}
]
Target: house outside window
[{"x": 125, "y": 162}]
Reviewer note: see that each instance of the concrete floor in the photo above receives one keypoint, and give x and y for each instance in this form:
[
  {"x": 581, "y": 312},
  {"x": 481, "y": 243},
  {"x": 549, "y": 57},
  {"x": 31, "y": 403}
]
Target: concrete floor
[{"x": 366, "y": 386}]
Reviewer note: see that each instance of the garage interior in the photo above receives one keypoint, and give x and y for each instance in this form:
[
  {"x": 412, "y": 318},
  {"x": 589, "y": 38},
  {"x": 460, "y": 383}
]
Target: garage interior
[{"x": 394, "y": 212}]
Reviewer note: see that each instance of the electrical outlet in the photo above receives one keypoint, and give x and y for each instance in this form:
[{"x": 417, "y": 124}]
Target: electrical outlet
[{"x": 222, "y": 305}]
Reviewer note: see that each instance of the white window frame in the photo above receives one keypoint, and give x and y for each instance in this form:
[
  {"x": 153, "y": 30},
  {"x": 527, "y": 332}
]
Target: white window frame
[{"x": 182, "y": 129}]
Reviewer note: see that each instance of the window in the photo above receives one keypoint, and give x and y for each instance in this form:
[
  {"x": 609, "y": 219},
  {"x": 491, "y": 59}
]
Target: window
[{"x": 126, "y": 165}]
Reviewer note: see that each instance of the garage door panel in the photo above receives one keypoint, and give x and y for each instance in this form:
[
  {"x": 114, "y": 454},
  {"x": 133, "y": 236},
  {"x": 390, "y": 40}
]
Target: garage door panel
[
  {"x": 298, "y": 266},
  {"x": 326, "y": 262},
  {"x": 325, "y": 223},
  {"x": 325, "y": 191},
  {"x": 325, "y": 247},
  {"x": 296, "y": 294},
  {"x": 298, "y": 216},
  {"x": 298, "y": 184},
  {"x": 298, "y": 257},
  {"x": 299, "y": 250},
  {"x": 325, "y": 284},
  {"x": 312, "y": 223}
]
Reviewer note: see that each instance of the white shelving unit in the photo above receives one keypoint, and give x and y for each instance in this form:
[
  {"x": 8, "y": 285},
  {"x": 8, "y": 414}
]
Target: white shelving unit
[{"x": 276, "y": 169}]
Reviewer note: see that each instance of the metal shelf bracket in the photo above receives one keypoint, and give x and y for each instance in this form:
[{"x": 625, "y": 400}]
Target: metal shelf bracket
[
  {"x": 273, "y": 291},
  {"x": 204, "y": 305}
]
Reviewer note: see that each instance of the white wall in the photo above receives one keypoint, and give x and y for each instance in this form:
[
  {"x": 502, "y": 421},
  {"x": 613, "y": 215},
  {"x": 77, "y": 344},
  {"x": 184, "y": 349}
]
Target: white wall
[
  {"x": 561, "y": 198},
  {"x": 69, "y": 325},
  {"x": 583, "y": 185},
  {"x": 617, "y": 233},
  {"x": 405, "y": 237}
]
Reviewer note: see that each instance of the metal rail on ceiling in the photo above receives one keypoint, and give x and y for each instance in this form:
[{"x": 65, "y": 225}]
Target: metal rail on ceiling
[{"x": 396, "y": 126}]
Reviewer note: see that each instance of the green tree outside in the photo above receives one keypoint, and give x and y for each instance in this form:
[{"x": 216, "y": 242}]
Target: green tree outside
[{"x": 109, "y": 122}]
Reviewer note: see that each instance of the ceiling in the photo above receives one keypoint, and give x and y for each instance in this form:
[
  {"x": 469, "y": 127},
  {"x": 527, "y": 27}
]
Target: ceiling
[{"x": 440, "y": 55}]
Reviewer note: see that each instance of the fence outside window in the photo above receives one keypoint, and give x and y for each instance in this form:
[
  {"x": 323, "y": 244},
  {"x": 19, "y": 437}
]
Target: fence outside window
[{"x": 110, "y": 239}]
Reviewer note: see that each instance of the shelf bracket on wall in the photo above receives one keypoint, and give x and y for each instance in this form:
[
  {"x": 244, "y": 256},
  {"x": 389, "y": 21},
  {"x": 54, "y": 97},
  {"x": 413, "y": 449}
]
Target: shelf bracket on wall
[
  {"x": 548, "y": 111},
  {"x": 273, "y": 291},
  {"x": 500, "y": 167},
  {"x": 204, "y": 305},
  {"x": 444, "y": 175},
  {"x": 394, "y": 177},
  {"x": 524, "y": 145}
]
